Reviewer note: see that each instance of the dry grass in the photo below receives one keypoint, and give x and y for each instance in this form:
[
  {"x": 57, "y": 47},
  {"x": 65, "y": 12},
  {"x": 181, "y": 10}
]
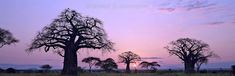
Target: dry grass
[{"x": 118, "y": 74}]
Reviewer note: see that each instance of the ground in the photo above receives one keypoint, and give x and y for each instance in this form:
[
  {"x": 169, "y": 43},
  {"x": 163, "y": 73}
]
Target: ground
[{"x": 118, "y": 74}]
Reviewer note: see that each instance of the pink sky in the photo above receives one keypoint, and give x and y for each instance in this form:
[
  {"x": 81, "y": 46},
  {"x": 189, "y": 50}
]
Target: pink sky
[{"x": 141, "y": 26}]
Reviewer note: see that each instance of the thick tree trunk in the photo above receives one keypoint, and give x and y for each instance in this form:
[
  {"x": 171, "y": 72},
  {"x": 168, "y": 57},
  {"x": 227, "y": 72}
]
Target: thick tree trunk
[
  {"x": 189, "y": 67},
  {"x": 128, "y": 68},
  {"x": 70, "y": 62}
]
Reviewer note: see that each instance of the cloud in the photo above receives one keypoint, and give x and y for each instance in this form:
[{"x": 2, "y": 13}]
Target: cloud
[
  {"x": 52, "y": 60},
  {"x": 197, "y": 4},
  {"x": 151, "y": 58},
  {"x": 216, "y": 23},
  {"x": 212, "y": 24},
  {"x": 187, "y": 5},
  {"x": 167, "y": 9}
]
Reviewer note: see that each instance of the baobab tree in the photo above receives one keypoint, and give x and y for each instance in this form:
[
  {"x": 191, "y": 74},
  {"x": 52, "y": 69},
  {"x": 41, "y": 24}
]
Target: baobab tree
[
  {"x": 6, "y": 38},
  {"x": 190, "y": 51},
  {"x": 67, "y": 34},
  {"x": 149, "y": 65},
  {"x": 91, "y": 61},
  {"x": 128, "y": 58}
]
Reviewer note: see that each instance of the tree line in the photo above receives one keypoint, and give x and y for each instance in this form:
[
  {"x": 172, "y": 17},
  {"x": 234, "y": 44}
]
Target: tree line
[
  {"x": 127, "y": 58},
  {"x": 71, "y": 31}
]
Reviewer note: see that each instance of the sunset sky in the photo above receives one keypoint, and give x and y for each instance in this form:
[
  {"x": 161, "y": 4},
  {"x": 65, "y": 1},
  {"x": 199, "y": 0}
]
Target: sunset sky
[{"x": 142, "y": 26}]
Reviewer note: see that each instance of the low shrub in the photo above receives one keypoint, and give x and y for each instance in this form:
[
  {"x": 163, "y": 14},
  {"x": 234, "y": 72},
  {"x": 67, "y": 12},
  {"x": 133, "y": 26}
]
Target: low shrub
[
  {"x": 233, "y": 69},
  {"x": 10, "y": 70},
  {"x": 1, "y": 70}
]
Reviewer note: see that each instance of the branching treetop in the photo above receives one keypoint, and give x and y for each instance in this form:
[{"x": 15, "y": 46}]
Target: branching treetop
[
  {"x": 108, "y": 64},
  {"x": 72, "y": 29},
  {"x": 146, "y": 64},
  {"x": 128, "y": 57},
  {"x": 6, "y": 38},
  {"x": 192, "y": 49}
]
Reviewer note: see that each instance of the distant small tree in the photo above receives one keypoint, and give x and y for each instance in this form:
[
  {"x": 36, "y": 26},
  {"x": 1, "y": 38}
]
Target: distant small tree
[
  {"x": 203, "y": 60},
  {"x": 46, "y": 67},
  {"x": 91, "y": 61},
  {"x": 6, "y": 38},
  {"x": 108, "y": 64},
  {"x": 10, "y": 70},
  {"x": 149, "y": 65},
  {"x": 1, "y": 70},
  {"x": 80, "y": 69},
  {"x": 128, "y": 58},
  {"x": 233, "y": 69}
]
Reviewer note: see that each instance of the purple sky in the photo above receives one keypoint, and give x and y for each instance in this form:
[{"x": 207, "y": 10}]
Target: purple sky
[{"x": 141, "y": 26}]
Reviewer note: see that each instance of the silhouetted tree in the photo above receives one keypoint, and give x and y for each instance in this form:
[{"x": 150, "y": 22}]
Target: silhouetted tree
[
  {"x": 10, "y": 70},
  {"x": 233, "y": 69},
  {"x": 80, "y": 69},
  {"x": 70, "y": 32},
  {"x": 108, "y": 64},
  {"x": 46, "y": 67},
  {"x": 6, "y": 38},
  {"x": 149, "y": 65},
  {"x": 1, "y": 70},
  {"x": 91, "y": 61},
  {"x": 128, "y": 58},
  {"x": 190, "y": 51},
  {"x": 203, "y": 60}
]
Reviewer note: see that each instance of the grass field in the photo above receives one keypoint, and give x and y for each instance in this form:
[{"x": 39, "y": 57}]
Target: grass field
[{"x": 118, "y": 74}]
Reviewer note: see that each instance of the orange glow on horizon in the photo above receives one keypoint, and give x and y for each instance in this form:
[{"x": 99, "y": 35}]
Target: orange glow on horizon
[{"x": 134, "y": 65}]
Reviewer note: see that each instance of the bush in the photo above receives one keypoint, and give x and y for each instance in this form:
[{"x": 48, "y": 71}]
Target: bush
[
  {"x": 80, "y": 69},
  {"x": 233, "y": 69},
  {"x": 214, "y": 71},
  {"x": 203, "y": 71},
  {"x": 1, "y": 70},
  {"x": 10, "y": 70},
  {"x": 46, "y": 67}
]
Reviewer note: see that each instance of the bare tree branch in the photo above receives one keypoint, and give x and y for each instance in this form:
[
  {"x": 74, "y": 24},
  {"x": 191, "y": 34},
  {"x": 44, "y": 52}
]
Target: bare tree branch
[{"x": 6, "y": 38}]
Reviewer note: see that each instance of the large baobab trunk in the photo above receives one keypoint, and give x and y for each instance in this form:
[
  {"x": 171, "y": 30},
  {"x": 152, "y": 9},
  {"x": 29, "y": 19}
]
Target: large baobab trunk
[
  {"x": 70, "y": 61},
  {"x": 128, "y": 68},
  {"x": 189, "y": 67}
]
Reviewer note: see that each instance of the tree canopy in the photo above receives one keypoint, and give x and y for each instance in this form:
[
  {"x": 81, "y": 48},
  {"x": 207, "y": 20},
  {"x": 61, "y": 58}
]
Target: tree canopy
[
  {"x": 72, "y": 28},
  {"x": 6, "y": 38},
  {"x": 46, "y": 67},
  {"x": 108, "y": 64},
  {"x": 91, "y": 61},
  {"x": 149, "y": 65}
]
